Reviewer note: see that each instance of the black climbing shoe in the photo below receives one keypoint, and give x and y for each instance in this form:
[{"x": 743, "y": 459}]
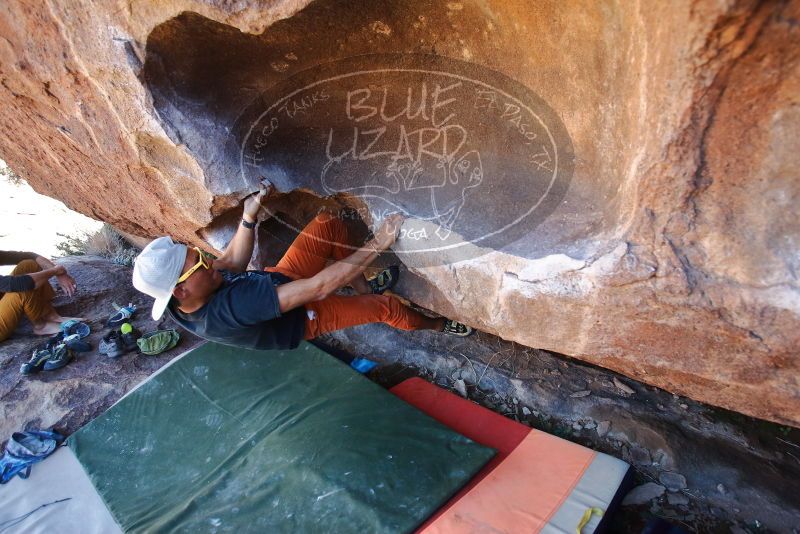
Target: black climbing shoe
[
  {"x": 62, "y": 355},
  {"x": 35, "y": 364},
  {"x": 454, "y": 328},
  {"x": 385, "y": 280},
  {"x": 53, "y": 341},
  {"x": 129, "y": 339}
]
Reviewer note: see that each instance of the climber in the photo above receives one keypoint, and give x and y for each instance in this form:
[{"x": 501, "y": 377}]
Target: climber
[
  {"x": 27, "y": 290},
  {"x": 219, "y": 300}
]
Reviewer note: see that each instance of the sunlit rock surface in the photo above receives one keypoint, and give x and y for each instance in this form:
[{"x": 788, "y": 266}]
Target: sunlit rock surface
[{"x": 639, "y": 210}]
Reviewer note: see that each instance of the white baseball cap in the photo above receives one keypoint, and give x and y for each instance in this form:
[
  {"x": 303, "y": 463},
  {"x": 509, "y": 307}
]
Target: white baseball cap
[{"x": 156, "y": 271}]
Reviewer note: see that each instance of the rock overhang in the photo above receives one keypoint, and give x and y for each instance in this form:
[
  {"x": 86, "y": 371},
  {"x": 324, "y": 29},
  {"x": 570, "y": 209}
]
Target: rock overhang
[
  {"x": 350, "y": 112},
  {"x": 639, "y": 270}
]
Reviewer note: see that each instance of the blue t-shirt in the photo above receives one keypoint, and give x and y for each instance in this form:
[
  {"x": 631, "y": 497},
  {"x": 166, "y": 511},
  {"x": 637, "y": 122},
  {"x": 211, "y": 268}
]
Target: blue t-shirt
[{"x": 244, "y": 312}]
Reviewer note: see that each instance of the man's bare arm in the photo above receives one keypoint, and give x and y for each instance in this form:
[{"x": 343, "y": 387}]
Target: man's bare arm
[
  {"x": 50, "y": 269},
  {"x": 331, "y": 278},
  {"x": 239, "y": 251},
  {"x": 41, "y": 277}
]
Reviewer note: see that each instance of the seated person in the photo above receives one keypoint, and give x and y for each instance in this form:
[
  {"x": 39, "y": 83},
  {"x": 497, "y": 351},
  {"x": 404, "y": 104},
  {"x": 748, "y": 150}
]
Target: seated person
[
  {"x": 27, "y": 290},
  {"x": 219, "y": 300}
]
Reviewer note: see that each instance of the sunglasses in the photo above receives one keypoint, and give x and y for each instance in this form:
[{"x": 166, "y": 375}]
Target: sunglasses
[{"x": 202, "y": 261}]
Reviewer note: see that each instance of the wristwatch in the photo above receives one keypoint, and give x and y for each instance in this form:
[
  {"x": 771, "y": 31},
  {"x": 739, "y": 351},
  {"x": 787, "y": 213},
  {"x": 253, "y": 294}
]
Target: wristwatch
[{"x": 248, "y": 225}]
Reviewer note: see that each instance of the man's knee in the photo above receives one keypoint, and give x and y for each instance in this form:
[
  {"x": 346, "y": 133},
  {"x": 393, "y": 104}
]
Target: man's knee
[
  {"x": 393, "y": 309},
  {"x": 13, "y": 303},
  {"x": 11, "y": 309},
  {"x": 26, "y": 267}
]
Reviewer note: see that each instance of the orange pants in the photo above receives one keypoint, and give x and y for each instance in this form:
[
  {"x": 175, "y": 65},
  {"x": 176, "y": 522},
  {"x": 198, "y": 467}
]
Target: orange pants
[
  {"x": 323, "y": 239},
  {"x": 35, "y": 304}
]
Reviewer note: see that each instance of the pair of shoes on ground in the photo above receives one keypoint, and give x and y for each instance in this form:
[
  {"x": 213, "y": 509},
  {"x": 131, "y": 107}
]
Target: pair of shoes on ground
[
  {"x": 114, "y": 344},
  {"x": 73, "y": 342},
  {"x": 25, "y": 449},
  {"x": 60, "y": 356},
  {"x": 57, "y": 352},
  {"x": 387, "y": 279},
  {"x": 37, "y": 361}
]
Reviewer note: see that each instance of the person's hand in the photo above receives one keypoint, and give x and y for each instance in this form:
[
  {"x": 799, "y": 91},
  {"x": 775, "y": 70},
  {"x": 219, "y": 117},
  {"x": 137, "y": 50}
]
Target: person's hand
[
  {"x": 252, "y": 204},
  {"x": 66, "y": 282},
  {"x": 387, "y": 233}
]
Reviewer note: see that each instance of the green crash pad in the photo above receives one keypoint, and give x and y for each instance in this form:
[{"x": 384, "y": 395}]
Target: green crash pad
[{"x": 235, "y": 440}]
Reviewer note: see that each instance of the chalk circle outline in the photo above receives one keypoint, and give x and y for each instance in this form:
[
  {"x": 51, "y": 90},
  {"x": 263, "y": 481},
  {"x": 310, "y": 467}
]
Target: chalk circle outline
[{"x": 421, "y": 57}]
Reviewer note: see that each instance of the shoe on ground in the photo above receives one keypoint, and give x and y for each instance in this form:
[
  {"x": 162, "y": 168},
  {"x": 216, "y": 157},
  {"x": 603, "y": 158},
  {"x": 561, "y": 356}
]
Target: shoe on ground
[
  {"x": 454, "y": 328},
  {"x": 74, "y": 326},
  {"x": 129, "y": 339},
  {"x": 36, "y": 363},
  {"x": 53, "y": 341},
  {"x": 112, "y": 345},
  {"x": 122, "y": 315},
  {"x": 385, "y": 280},
  {"x": 62, "y": 355},
  {"x": 76, "y": 344}
]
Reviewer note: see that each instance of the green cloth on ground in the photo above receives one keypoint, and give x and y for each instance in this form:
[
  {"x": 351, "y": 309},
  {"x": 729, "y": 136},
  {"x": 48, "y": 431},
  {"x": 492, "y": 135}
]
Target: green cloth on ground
[{"x": 227, "y": 439}]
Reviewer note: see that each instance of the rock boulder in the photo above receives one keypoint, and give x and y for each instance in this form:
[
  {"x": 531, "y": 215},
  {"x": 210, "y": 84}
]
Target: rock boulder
[{"x": 612, "y": 181}]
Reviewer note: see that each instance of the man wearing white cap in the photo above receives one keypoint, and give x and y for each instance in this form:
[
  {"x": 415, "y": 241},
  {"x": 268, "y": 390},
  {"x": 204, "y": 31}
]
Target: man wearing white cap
[{"x": 219, "y": 300}]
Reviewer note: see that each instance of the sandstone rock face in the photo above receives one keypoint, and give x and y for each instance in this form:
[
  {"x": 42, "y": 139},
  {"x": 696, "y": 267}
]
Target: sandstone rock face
[{"x": 665, "y": 246}]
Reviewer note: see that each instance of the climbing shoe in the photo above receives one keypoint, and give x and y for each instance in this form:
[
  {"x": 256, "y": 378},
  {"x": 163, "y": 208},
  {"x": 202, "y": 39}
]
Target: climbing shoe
[
  {"x": 36, "y": 363},
  {"x": 53, "y": 341},
  {"x": 76, "y": 344},
  {"x": 454, "y": 328},
  {"x": 73, "y": 326},
  {"x": 112, "y": 345},
  {"x": 129, "y": 336},
  {"x": 61, "y": 356},
  {"x": 385, "y": 280},
  {"x": 122, "y": 315}
]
